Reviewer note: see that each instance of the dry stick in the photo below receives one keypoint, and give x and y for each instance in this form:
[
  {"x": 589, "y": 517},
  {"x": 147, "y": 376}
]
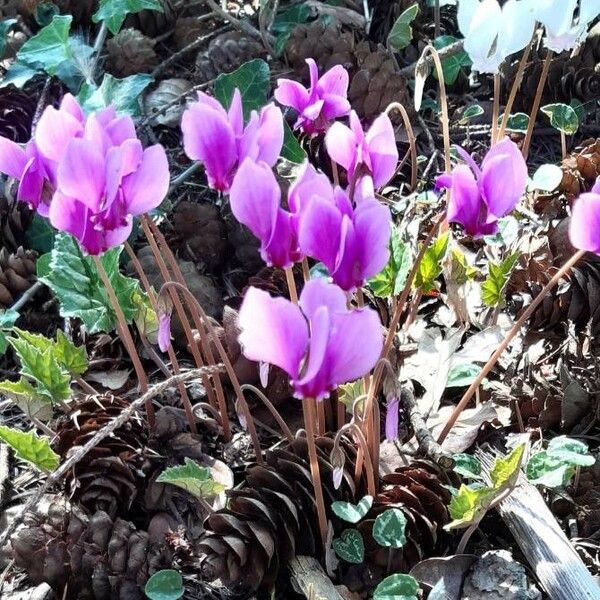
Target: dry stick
[
  {"x": 309, "y": 423},
  {"x": 411, "y": 140},
  {"x": 200, "y": 327},
  {"x": 536, "y": 104},
  {"x": 506, "y": 341},
  {"x": 496, "y": 108},
  {"x": 187, "y": 329},
  {"x": 126, "y": 337},
  {"x": 515, "y": 88},
  {"x": 214, "y": 338},
  {"x": 276, "y": 415},
  {"x": 187, "y": 404},
  {"x": 81, "y": 451}
]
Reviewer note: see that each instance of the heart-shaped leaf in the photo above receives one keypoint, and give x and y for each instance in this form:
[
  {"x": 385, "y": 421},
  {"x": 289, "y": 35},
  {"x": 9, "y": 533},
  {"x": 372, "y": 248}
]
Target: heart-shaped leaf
[
  {"x": 389, "y": 527},
  {"x": 165, "y": 585},
  {"x": 467, "y": 466},
  {"x": 516, "y": 122},
  {"x": 572, "y": 451},
  {"x": 562, "y": 117},
  {"x": 401, "y": 33},
  {"x": 475, "y": 110},
  {"x": 352, "y": 513},
  {"x": 547, "y": 178},
  {"x": 350, "y": 546},
  {"x": 397, "y": 587}
]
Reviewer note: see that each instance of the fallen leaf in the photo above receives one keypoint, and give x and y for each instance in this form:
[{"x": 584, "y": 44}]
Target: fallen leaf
[{"x": 451, "y": 569}]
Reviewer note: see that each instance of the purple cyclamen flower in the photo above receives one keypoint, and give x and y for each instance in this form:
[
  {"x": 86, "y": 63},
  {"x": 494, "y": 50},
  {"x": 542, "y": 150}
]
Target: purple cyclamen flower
[
  {"x": 319, "y": 343},
  {"x": 392, "y": 417},
  {"x": 255, "y": 199},
  {"x": 584, "y": 227},
  {"x": 481, "y": 196},
  {"x": 219, "y": 140},
  {"x": 352, "y": 242},
  {"x": 164, "y": 331},
  {"x": 325, "y": 99},
  {"x": 374, "y": 152}
]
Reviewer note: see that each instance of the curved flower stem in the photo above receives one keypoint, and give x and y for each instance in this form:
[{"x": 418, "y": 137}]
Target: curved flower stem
[
  {"x": 214, "y": 338},
  {"x": 360, "y": 440},
  {"x": 514, "y": 89},
  {"x": 276, "y": 415},
  {"x": 291, "y": 283},
  {"x": 411, "y": 140},
  {"x": 536, "y": 103},
  {"x": 126, "y": 337},
  {"x": 496, "y": 108},
  {"x": 506, "y": 341},
  {"x": 187, "y": 405},
  {"x": 183, "y": 318},
  {"x": 563, "y": 144},
  {"x": 309, "y": 423}
]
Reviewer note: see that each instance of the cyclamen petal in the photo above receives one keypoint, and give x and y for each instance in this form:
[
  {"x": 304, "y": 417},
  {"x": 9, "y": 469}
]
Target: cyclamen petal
[
  {"x": 164, "y": 331},
  {"x": 584, "y": 226},
  {"x": 12, "y": 158},
  {"x": 392, "y": 417}
]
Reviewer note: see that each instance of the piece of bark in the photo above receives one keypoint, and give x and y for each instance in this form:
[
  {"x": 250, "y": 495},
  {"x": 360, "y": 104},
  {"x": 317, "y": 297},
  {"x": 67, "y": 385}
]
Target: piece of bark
[{"x": 310, "y": 579}]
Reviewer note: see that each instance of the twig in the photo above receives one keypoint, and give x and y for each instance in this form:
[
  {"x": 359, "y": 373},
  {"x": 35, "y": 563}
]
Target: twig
[
  {"x": 100, "y": 39},
  {"x": 443, "y": 53},
  {"x": 103, "y": 433},
  {"x": 41, "y": 105},
  {"x": 237, "y": 23},
  {"x": 27, "y": 296},
  {"x": 183, "y": 177}
]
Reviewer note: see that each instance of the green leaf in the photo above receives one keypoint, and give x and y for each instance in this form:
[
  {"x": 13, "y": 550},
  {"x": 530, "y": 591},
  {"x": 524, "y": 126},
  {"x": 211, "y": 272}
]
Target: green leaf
[
  {"x": 49, "y": 48},
  {"x": 516, "y": 123},
  {"x": 74, "y": 279},
  {"x": 579, "y": 109},
  {"x": 165, "y": 585},
  {"x": 350, "y": 546},
  {"x": 115, "y": 11},
  {"x": 252, "y": 79},
  {"x": 475, "y": 110},
  {"x": 146, "y": 319},
  {"x": 40, "y": 235},
  {"x": 431, "y": 265},
  {"x": 451, "y": 65},
  {"x": 569, "y": 450},
  {"x": 45, "y": 12},
  {"x": 285, "y": 22},
  {"x": 389, "y": 527},
  {"x": 397, "y": 587},
  {"x": 547, "y": 470},
  {"x": 467, "y": 466},
  {"x": 401, "y": 33},
  {"x": 7, "y": 319},
  {"x": 352, "y": 513},
  {"x": 506, "y": 470},
  {"x": 467, "y": 505},
  {"x": 462, "y": 375},
  {"x": 41, "y": 366},
  {"x": 547, "y": 178},
  {"x": 492, "y": 289},
  {"x": 5, "y": 26},
  {"x": 123, "y": 94},
  {"x": 349, "y": 393},
  {"x": 391, "y": 281},
  {"x": 193, "y": 478},
  {"x": 26, "y": 397},
  {"x": 72, "y": 358},
  {"x": 30, "y": 447},
  {"x": 291, "y": 149},
  {"x": 562, "y": 117}
]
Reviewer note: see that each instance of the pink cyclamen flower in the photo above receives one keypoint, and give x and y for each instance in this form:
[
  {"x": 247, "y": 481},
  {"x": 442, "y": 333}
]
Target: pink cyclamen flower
[
  {"x": 584, "y": 227},
  {"x": 255, "y": 199},
  {"x": 325, "y": 99},
  {"x": 319, "y": 343},
  {"x": 164, "y": 331},
  {"x": 392, "y": 417},
  {"x": 481, "y": 196},
  {"x": 374, "y": 152},
  {"x": 219, "y": 140},
  {"x": 352, "y": 242}
]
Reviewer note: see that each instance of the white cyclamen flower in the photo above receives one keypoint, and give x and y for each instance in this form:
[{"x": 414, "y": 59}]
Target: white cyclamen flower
[
  {"x": 493, "y": 33},
  {"x": 566, "y": 27}
]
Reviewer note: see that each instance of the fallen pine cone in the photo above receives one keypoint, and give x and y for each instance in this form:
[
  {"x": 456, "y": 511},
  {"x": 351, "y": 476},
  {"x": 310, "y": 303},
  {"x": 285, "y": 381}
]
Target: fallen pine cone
[{"x": 17, "y": 274}]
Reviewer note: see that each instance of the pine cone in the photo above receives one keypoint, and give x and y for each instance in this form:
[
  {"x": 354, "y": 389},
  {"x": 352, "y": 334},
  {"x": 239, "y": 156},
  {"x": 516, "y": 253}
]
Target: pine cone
[
  {"x": 17, "y": 274},
  {"x": 15, "y": 218},
  {"x": 225, "y": 54},
  {"x": 152, "y": 22},
  {"x": 202, "y": 230},
  {"x": 94, "y": 558},
  {"x": 581, "y": 168},
  {"x": 419, "y": 491},
  {"x": 107, "y": 478},
  {"x": 272, "y": 518},
  {"x": 16, "y": 114},
  {"x": 246, "y": 248},
  {"x": 130, "y": 52}
]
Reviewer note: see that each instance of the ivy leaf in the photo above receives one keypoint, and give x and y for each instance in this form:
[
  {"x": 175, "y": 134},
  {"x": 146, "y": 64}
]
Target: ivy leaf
[
  {"x": 547, "y": 178},
  {"x": 115, "y": 11},
  {"x": 30, "y": 447},
  {"x": 397, "y": 587},
  {"x": 401, "y": 33},
  {"x": 7, "y": 319},
  {"x": 285, "y": 22},
  {"x": 123, "y": 94},
  {"x": 165, "y": 585},
  {"x": 193, "y": 478},
  {"x": 26, "y": 397},
  {"x": 506, "y": 470},
  {"x": 252, "y": 79},
  {"x": 431, "y": 265},
  {"x": 467, "y": 466},
  {"x": 352, "y": 513},
  {"x": 467, "y": 505},
  {"x": 451, "y": 65},
  {"x": 562, "y": 117},
  {"x": 492, "y": 289},
  {"x": 291, "y": 149},
  {"x": 389, "y": 527},
  {"x": 350, "y": 546},
  {"x": 391, "y": 281},
  {"x": 75, "y": 281}
]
